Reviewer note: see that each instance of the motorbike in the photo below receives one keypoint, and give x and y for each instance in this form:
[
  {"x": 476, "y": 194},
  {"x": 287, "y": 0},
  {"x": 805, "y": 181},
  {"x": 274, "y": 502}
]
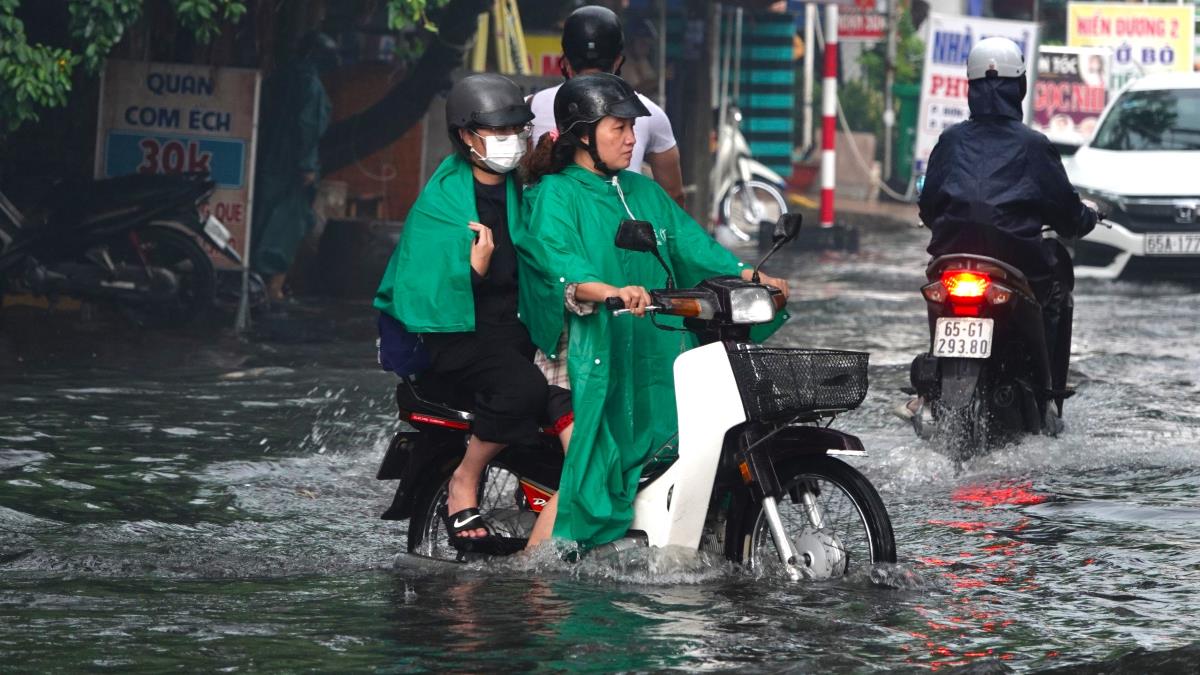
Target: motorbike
[
  {"x": 746, "y": 194},
  {"x": 133, "y": 242},
  {"x": 754, "y": 474},
  {"x": 990, "y": 373}
]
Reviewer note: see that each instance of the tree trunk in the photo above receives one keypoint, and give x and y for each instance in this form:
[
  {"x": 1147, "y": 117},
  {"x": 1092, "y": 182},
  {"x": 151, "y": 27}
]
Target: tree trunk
[{"x": 405, "y": 103}]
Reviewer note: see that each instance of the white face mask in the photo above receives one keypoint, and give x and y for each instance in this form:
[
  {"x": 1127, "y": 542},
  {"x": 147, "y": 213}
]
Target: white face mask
[{"x": 503, "y": 152}]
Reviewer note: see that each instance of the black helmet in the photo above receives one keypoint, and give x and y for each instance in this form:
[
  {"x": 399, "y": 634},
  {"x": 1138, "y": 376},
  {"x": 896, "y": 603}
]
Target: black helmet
[
  {"x": 583, "y": 101},
  {"x": 592, "y": 38},
  {"x": 484, "y": 100}
]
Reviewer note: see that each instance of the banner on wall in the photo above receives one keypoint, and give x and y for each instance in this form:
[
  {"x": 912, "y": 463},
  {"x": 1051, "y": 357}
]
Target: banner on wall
[
  {"x": 163, "y": 118},
  {"x": 1143, "y": 38},
  {"x": 1071, "y": 91},
  {"x": 944, "y": 82}
]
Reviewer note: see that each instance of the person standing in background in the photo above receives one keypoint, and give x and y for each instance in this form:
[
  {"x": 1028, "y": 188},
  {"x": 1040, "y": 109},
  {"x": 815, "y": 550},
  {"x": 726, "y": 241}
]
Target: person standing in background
[{"x": 295, "y": 114}]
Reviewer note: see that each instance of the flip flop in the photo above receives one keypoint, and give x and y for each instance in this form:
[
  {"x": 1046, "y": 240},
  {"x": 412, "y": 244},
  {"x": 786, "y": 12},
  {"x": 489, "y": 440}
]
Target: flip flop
[{"x": 489, "y": 544}]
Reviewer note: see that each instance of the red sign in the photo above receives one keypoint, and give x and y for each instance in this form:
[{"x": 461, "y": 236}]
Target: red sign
[{"x": 858, "y": 25}]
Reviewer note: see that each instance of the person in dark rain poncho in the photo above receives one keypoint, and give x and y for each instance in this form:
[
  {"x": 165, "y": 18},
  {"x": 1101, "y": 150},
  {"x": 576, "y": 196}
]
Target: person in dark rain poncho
[
  {"x": 992, "y": 183},
  {"x": 620, "y": 368},
  {"x": 294, "y": 117},
  {"x": 452, "y": 280}
]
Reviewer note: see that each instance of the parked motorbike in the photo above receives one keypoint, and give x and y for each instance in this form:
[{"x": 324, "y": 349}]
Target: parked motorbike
[
  {"x": 133, "y": 242},
  {"x": 753, "y": 474},
  {"x": 746, "y": 194}
]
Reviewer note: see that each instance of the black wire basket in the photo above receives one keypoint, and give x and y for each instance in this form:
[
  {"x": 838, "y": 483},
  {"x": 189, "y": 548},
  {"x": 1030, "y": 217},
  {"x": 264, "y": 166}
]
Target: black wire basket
[{"x": 783, "y": 383}]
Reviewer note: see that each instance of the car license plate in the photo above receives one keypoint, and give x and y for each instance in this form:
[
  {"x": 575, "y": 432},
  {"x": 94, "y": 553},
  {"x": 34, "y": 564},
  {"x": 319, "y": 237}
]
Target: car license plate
[
  {"x": 216, "y": 231},
  {"x": 963, "y": 338},
  {"x": 1172, "y": 244}
]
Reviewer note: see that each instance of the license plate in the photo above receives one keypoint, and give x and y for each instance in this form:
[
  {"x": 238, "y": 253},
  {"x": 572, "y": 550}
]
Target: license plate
[
  {"x": 216, "y": 231},
  {"x": 1172, "y": 244},
  {"x": 963, "y": 338}
]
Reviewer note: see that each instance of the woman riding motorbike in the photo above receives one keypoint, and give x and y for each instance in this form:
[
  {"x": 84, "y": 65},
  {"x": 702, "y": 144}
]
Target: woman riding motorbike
[
  {"x": 452, "y": 280},
  {"x": 619, "y": 367}
]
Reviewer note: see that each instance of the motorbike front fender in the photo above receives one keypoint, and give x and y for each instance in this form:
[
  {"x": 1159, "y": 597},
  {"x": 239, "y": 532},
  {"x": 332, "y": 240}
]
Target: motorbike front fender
[{"x": 752, "y": 168}]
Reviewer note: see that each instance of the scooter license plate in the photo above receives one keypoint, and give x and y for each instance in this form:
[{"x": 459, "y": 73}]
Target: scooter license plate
[
  {"x": 216, "y": 231},
  {"x": 963, "y": 338}
]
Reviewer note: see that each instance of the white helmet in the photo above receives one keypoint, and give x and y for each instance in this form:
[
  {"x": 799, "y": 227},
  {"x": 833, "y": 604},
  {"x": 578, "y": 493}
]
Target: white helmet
[{"x": 995, "y": 54}]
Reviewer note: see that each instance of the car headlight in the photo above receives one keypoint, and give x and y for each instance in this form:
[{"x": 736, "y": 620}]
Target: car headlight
[{"x": 751, "y": 305}]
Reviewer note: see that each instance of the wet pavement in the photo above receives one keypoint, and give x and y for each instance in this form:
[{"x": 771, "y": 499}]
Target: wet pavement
[{"x": 198, "y": 502}]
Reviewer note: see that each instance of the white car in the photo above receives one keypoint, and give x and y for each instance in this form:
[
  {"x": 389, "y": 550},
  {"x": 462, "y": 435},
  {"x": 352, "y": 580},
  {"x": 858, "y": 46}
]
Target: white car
[{"x": 1144, "y": 163}]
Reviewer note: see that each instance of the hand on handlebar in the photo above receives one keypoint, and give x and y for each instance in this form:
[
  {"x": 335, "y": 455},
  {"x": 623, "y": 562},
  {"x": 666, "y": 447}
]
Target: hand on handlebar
[
  {"x": 633, "y": 298},
  {"x": 636, "y": 299}
]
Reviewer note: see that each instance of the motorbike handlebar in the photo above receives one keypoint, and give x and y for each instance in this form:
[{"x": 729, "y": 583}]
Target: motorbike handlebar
[{"x": 617, "y": 306}]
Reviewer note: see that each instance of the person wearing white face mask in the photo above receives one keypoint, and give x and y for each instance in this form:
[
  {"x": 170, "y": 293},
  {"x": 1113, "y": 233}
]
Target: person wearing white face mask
[{"x": 452, "y": 281}]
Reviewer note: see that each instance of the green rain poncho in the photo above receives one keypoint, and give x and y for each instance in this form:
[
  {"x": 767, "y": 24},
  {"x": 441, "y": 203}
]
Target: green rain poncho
[
  {"x": 294, "y": 117},
  {"x": 620, "y": 367},
  {"x": 427, "y": 284}
]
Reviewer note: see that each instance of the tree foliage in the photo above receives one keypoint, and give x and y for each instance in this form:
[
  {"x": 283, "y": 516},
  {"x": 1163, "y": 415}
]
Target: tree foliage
[{"x": 37, "y": 76}]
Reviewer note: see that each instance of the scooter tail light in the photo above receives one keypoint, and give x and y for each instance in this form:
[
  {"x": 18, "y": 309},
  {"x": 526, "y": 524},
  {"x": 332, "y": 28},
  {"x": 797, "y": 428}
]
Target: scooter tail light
[{"x": 965, "y": 285}]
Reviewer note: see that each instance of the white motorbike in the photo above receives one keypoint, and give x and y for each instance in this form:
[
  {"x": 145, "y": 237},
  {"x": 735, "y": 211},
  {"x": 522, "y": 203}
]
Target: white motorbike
[
  {"x": 746, "y": 194},
  {"x": 756, "y": 478}
]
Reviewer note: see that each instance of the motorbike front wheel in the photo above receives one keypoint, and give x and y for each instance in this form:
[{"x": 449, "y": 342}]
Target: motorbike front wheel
[
  {"x": 746, "y": 206},
  {"x": 501, "y": 501},
  {"x": 833, "y": 516},
  {"x": 182, "y": 279}
]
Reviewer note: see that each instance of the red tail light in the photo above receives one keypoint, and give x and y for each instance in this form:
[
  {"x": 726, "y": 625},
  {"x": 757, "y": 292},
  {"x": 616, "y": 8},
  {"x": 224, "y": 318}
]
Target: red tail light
[{"x": 962, "y": 285}]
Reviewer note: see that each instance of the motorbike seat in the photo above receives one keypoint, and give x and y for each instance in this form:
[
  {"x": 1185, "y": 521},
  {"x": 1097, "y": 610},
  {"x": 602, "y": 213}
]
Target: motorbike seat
[
  {"x": 122, "y": 197},
  {"x": 993, "y": 267},
  {"x": 409, "y": 400}
]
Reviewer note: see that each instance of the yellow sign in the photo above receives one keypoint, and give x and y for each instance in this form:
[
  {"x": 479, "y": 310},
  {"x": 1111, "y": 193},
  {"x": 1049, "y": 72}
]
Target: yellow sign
[
  {"x": 1143, "y": 38},
  {"x": 544, "y": 51}
]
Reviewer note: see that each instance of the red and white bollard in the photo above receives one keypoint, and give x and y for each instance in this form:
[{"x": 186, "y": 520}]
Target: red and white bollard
[{"x": 829, "y": 111}]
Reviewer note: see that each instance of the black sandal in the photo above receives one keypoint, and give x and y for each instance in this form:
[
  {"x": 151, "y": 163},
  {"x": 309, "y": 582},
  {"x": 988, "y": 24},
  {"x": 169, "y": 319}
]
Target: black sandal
[{"x": 489, "y": 544}]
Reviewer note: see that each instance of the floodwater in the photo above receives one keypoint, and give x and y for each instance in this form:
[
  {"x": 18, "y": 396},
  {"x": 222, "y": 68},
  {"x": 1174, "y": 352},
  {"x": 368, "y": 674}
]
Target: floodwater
[{"x": 195, "y": 502}]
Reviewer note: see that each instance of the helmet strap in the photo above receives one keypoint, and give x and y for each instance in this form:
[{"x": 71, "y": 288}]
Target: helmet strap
[{"x": 591, "y": 151}]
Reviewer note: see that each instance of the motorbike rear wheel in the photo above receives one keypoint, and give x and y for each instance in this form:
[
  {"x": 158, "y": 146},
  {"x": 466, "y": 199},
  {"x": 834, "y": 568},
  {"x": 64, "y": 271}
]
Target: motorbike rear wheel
[
  {"x": 501, "y": 501},
  {"x": 746, "y": 206},
  {"x": 834, "y": 517},
  {"x": 161, "y": 247}
]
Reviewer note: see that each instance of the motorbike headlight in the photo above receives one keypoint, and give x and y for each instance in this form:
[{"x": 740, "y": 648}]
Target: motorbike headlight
[{"x": 751, "y": 305}]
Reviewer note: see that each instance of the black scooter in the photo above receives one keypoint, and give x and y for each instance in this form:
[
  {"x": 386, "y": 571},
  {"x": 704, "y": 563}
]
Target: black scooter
[
  {"x": 990, "y": 373},
  {"x": 133, "y": 242}
]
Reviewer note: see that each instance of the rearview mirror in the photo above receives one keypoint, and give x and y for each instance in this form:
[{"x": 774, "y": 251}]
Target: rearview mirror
[
  {"x": 787, "y": 227},
  {"x": 636, "y": 235}
]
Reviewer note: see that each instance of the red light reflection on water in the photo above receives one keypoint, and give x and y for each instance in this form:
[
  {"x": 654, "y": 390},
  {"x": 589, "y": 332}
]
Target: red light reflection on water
[
  {"x": 998, "y": 495},
  {"x": 995, "y": 562}
]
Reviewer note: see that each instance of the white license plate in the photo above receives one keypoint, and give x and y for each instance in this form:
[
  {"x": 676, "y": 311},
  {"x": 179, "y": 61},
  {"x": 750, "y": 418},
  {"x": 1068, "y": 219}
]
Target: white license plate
[
  {"x": 216, "y": 230},
  {"x": 1172, "y": 244},
  {"x": 963, "y": 338}
]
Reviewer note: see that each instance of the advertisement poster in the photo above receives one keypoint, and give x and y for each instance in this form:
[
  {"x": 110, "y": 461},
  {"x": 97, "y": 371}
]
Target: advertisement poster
[
  {"x": 1071, "y": 91},
  {"x": 160, "y": 118},
  {"x": 944, "y": 81},
  {"x": 1143, "y": 38}
]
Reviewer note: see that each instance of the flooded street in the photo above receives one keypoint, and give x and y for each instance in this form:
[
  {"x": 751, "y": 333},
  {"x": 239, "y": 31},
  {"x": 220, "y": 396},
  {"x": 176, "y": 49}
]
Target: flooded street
[{"x": 201, "y": 503}]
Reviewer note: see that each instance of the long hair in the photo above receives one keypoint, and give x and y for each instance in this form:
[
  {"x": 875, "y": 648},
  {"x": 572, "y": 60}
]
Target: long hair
[{"x": 550, "y": 155}]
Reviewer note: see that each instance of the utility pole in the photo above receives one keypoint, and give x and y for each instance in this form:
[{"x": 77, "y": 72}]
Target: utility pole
[
  {"x": 810, "y": 46},
  {"x": 889, "y": 79}
]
